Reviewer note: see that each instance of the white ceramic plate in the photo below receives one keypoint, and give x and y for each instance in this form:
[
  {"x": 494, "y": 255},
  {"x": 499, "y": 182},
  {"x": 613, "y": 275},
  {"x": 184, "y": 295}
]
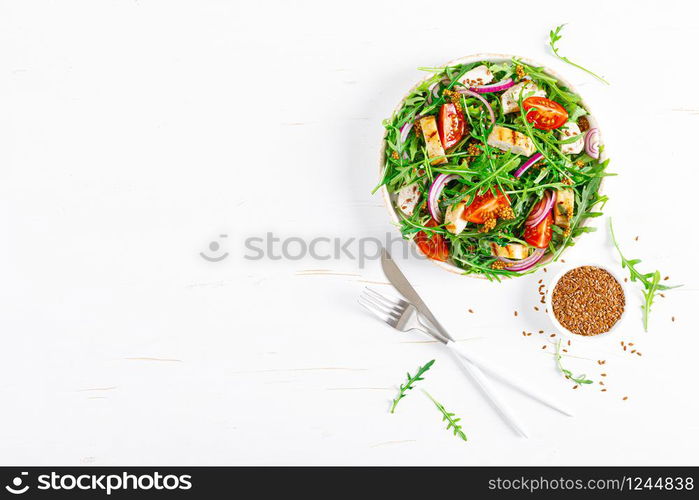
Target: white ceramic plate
[{"x": 390, "y": 198}]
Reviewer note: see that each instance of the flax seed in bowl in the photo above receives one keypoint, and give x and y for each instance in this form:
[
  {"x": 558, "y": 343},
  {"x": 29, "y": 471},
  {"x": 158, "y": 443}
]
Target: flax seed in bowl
[{"x": 586, "y": 301}]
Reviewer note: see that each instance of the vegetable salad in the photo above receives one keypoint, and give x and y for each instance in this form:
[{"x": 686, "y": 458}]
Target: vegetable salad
[{"x": 493, "y": 166}]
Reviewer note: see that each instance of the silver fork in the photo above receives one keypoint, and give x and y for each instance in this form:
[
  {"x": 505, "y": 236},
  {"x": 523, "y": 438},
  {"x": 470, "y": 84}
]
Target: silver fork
[
  {"x": 403, "y": 316},
  {"x": 400, "y": 314}
]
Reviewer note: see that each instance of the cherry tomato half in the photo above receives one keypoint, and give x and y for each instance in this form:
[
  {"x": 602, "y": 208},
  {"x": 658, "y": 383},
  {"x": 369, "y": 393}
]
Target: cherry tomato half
[
  {"x": 484, "y": 205},
  {"x": 451, "y": 125},
  {"x": 434, "y": 247},
  {"x": 543, "y": 113},
  {"x": 539, "y": 236}
]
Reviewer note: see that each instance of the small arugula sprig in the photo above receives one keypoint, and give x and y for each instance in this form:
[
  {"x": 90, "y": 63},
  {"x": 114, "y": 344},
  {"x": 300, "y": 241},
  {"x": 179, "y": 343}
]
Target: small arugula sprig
[
  {"x": 450, "y": 418},
  {"x": 410, "y": 383},
  {"x": 650, "y": 281},
  {"x": 580, "y": 379},
  {"x": 554, "y": 36}
]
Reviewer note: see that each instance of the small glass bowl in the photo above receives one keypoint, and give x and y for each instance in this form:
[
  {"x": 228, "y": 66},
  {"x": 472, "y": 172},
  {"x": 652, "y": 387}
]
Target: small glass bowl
[{"x": 549, "y": 302}]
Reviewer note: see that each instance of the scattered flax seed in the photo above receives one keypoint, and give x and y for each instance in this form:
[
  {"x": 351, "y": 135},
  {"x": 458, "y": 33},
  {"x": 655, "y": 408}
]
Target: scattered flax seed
[
  {"x": 601, "y": 383},
  {"x": 603, "y": 374},
  {"x": 603, "y": 390},
  {"x": 601, "y": 361},
  {"x": 588, "y": 300},
  {"x": 624, "y": 398},
  {"x": 639, "y": 354},
  {"x": 524, "y": 333},
  {"x": 636, "y": 238},
  {"x": 536, "y": 308},
  {"x": 515, "y": 313},
  {"x": 662, "y": 295},
  {"x": 633, "y": 351},
  {"x": 529, "y": 334},
  {"x": 540, "y": 281},
  {"x": 622, "y": 342},
  {"x": 624, "y": 347},
  {"x": 631, "y": 344},
  {"x": 575, "y": 386},
  {"x": 552, "y": 335},
  {"x": 564, "y": 350},
  {"x": 569, "y": 342},
  {"x": 563, "y": 261},
  {"x": 541, "y": 331},
  {"x": 546, "y": 270},
  {"x": 626, "y": 280},
  {"x": 666, "y": 278},
  {"x": 673, "y": 319},
  {"x": 543, "y": 347},
  {"x": 471, "y": 311}
]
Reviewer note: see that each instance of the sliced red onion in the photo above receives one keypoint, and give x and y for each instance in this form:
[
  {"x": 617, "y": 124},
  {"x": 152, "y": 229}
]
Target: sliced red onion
[
  {"x": 524, "y": 264},
  {"x": 494, "y": 87},
  {"x": 592, "y": 143},
  {"x": 537, "y": 212},
  {"x": 543, "y": 209},
  {"x": 480, "y": 98},
  {"x": 405, "y": 131},
  {"x": 432, "y": 92},
  {"x": 531, "y": 161},
  {"x": 432, "y": 89},
  {"x": 435, "y": 190}
]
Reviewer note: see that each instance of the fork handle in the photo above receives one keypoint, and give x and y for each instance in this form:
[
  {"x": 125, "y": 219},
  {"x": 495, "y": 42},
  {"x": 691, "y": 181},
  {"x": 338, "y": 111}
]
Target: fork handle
[
  {"x": 483, "y": 383},
  {"x": 510, "y": 380}
]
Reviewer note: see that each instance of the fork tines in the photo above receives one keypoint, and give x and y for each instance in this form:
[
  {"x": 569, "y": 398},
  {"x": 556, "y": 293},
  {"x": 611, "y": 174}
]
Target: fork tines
[{"x": 384, "y": 308}]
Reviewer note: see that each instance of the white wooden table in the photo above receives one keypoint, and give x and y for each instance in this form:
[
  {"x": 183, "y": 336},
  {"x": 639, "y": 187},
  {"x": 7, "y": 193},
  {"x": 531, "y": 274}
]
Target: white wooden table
[{"x": 135, "y": 133}]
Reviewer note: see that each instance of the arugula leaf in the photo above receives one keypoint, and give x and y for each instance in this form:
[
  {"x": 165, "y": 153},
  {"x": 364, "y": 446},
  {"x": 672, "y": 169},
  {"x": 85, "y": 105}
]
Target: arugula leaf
[
  {"x": 410, "y": 383},
  {"x": 585, "y": 201},
  {"x": 502, "y": 70},
  {"x": 648, "y": 296},
  {"x": 555, "y": 36},
  {"x": 580, "y": 379},
  {"x": 450, "y": 418},
  {"x": 550, "y": 84},
  {"x": 650, "y": 281},
  {"x": 575, "y": 113}
]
